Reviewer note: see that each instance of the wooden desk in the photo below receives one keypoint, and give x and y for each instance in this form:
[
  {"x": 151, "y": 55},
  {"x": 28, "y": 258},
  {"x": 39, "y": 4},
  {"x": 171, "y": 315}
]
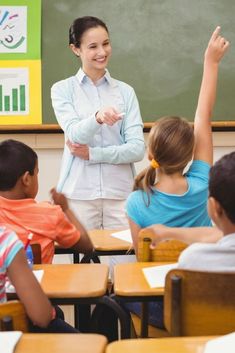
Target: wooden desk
[
  {"x": 69, "y": 283},
  {"x": 61, "y": 343},
  {"x": 75, "y": 284},
  {"x": 129, "y": 281},
  {"x": 105, "y": 244},
  {"x": 130, "y": 285},
  {"x": 162, "y": 345},
  {"x": 79, "y": 285}
]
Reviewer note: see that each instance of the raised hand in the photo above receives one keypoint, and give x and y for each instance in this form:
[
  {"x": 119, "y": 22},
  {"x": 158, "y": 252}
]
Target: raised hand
[
  {"x": 217, "y": 47},
  {"x": 215, "y": 50},
  {"x": 59, "y": 199}
]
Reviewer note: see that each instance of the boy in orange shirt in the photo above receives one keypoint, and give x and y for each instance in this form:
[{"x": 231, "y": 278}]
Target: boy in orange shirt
[{"x": 20, "y": 212}]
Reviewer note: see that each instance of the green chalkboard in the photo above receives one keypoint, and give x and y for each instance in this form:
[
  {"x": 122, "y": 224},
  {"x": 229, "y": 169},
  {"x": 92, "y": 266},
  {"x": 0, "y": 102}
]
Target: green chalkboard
[{"x": 158, "y": 48}]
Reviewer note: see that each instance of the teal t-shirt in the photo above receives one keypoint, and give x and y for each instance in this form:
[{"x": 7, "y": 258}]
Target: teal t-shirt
[{"x": 186, "y": 210}]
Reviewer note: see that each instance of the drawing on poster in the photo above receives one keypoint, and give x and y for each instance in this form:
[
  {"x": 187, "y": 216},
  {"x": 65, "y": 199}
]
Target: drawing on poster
[{"x": 13, "y": 29}]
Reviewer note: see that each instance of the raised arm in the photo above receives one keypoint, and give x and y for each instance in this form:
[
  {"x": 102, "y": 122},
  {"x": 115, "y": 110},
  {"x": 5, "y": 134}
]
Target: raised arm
[
  {"x": 216, "y": 49},
  {"x": 84, "y": 244}
]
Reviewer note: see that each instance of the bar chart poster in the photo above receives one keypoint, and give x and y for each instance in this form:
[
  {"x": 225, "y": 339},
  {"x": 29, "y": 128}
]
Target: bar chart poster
[
  {"x": 14, "y": 91},
  {"x": 20, "y": 92}
]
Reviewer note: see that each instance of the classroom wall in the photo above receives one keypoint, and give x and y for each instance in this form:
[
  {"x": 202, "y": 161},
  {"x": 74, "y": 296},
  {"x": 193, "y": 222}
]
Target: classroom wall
[{"x": 49, "y": 148}]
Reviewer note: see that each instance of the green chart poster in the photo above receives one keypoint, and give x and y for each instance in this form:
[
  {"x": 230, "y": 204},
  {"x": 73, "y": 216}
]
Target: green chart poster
[{"x": 20, "y": 62}]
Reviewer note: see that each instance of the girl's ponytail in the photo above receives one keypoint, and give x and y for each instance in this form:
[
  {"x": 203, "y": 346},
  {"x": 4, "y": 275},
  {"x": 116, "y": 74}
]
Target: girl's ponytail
[{"x": 145, "y": 180}]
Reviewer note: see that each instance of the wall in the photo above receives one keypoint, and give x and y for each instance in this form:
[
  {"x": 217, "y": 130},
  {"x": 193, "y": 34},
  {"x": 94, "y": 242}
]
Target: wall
[{"x": 49, "y": 148}]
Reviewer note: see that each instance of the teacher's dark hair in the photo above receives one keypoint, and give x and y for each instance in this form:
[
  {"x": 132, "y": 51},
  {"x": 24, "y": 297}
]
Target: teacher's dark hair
[{"x": 80, "y": 26}]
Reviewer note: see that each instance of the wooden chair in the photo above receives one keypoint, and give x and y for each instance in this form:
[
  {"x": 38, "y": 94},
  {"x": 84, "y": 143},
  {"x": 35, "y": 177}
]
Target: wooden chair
[
  {"x": 37, "y": 253},
  {"x": 13, "y": 317},
  {"x": 167, "y": 251},
  {"x": 199, "y": 303},
  {"x": 153, "y": 331}
]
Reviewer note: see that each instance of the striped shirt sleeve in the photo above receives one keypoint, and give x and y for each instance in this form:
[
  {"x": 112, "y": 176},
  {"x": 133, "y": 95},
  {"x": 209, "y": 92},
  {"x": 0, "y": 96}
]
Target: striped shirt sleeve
[{"x": 9, "y": 247}]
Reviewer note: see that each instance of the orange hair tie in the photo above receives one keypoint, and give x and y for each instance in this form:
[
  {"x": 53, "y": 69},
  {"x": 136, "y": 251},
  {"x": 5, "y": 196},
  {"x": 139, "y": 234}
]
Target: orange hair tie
[{"x": 154, "y": 164}]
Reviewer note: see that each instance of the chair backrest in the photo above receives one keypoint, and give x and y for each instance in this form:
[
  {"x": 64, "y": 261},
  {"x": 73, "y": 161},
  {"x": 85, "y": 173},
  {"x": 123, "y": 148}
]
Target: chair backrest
[
  {"x": 37, "y": 253},
  {"x": 167, "y": 251},
  {"x": 13, "y": 317},
  {"x": 199, "y": 303}
]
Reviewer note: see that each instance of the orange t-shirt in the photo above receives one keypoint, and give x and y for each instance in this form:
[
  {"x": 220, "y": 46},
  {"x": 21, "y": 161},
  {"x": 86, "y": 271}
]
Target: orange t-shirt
[{"x": 47, "y": 222}]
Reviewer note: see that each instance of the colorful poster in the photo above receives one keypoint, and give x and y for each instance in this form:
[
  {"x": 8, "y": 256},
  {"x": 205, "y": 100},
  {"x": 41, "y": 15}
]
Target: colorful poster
[
  {"x": 20, "y": 92},
  {"x": 14, "y": 91},
  {"x": 13, "y": 29},
  {"x": 20, "y": 29},
  {"x": 20, "y": 62}
]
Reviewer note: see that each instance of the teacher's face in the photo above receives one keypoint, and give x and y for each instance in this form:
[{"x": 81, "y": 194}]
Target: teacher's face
[{"x": 95, "y": 50}]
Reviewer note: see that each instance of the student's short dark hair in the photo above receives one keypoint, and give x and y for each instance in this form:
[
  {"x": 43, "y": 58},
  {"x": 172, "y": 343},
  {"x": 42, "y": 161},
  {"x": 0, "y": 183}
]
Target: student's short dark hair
[
  {"x": 81, "y": 25},
  {"x": 222, "y": 184},
  {"x": 16, "y": 158}
]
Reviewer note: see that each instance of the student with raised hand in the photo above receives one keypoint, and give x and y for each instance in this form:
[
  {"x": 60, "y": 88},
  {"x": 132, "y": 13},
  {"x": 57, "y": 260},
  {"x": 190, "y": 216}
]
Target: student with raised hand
[
  {"x": 20, "y": 211},
  {"x": 13, "y": 264},
  {"x": 103, "y": 129},
  {"x": 213, "y": 249},
  {"x": 163, "y": 193}
]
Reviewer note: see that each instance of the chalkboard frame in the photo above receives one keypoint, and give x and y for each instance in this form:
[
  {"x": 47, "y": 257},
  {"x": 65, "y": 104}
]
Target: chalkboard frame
[{"x": 218, "y": 126}]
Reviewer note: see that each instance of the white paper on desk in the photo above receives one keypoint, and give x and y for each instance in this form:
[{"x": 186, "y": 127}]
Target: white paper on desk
[
  {"x": 156, "y": 275},
  {"x": 8, "y": 340},
  {"x": 221, "y": 344},
  {"x": 123, "y": 235},
  {"x": 37, "y": 273}
]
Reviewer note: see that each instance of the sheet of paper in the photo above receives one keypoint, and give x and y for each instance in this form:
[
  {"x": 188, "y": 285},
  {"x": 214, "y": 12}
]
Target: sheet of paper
[
  {"x": 8, "y": 340},
  {"x": 156, "y": 275},
  {"x": 224, "y": 344},
  {"x": 123, "y": 235},
  {"x": 11, "y": 289},
  {"x": 38, "y": 274}
]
